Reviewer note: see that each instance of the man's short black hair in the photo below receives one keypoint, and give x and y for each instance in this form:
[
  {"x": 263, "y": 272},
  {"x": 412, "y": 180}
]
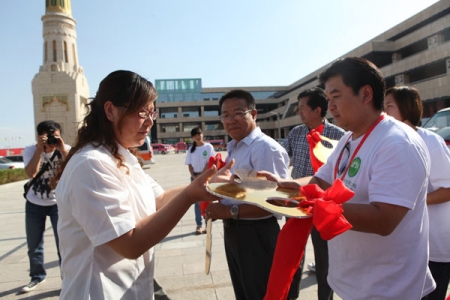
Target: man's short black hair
[
  {"x": 357, "y": 72},
  {"x": 47, "y": 126},
  {"x": 316, "y": 98},
  {"x": 240, "y": 94}
]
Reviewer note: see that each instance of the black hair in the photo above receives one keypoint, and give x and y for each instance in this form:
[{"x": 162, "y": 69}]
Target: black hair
[
  {"x": 195, "y": 131},
  {"x": 48, "y": 126},
  {"x": 124, "y": 89},
  {"x": 239, "y": 94},
  {"x": 357, "y": 72},
  {"x": 409, "y": 103},
  {"x": 316, "y": 98}
]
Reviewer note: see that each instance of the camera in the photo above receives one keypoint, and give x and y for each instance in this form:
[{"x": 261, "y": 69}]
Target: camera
[{"x": 51, "y": 139}]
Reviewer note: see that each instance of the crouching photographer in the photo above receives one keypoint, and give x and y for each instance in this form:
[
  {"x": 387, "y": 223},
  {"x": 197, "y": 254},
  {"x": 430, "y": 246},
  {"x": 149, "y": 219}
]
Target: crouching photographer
[{"x": 41, "y": 161}]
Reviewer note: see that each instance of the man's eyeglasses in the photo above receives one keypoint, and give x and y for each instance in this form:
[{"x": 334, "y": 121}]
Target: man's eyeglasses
[
  {"x": 344, "y": 156},
  {"x": 145, "y": 113},
  {"x": 238, "y": 115}
]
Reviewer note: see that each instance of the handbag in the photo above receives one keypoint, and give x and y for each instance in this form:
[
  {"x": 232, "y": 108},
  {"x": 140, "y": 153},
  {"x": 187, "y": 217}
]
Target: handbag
[{"x": 29, "y": 184}]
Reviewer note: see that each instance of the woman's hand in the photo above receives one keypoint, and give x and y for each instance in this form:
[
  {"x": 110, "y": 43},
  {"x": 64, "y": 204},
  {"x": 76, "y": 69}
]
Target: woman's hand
[
  {"x": 196, "y": 190},
  {"x": 224, "y": 174}
]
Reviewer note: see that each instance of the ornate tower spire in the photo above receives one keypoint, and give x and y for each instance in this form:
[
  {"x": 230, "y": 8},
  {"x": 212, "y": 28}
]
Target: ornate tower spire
[
  {"x": 60, "y": 89},
  {"x": 60, "y": 47},
  {"x": 62, "y": 6}
]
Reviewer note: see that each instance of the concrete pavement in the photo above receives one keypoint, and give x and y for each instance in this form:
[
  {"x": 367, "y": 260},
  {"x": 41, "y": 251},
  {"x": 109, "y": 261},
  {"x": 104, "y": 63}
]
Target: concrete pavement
[{"x": 180, "y": 257}]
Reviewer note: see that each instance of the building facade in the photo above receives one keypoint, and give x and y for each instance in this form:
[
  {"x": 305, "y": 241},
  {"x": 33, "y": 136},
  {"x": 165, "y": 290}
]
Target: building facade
[
  {"x": 60, "y": 89},
  {"x": 416, "y": 52}
]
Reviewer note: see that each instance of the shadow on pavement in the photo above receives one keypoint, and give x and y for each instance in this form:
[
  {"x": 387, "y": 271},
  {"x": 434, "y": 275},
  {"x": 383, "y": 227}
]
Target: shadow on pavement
[{"x": 173, "y": 237}]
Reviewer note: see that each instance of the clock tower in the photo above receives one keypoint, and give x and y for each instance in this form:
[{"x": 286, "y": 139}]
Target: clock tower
[{"x": 60, "y": 89}]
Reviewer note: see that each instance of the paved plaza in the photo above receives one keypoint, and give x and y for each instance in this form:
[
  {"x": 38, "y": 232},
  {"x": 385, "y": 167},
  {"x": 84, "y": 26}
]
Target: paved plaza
[{"x": 180, "y": 257}]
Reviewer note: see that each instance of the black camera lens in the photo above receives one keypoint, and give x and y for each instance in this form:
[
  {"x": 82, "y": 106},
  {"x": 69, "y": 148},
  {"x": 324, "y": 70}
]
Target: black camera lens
[{"x": 51, "y": 139}]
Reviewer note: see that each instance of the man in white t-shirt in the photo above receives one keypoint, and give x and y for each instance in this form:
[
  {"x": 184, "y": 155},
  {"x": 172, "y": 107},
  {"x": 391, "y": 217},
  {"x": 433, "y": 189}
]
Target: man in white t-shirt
[
  {"x": 41, "y": 161},
  {"x": 386, "y": 164}
]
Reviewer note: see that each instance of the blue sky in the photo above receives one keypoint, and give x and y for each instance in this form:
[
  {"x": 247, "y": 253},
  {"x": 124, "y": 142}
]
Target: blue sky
[{"x": 228, "y": 44}]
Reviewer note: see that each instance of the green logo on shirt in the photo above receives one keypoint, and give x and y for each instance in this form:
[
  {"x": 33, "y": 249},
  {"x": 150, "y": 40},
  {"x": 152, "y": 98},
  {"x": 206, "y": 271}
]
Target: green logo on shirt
[
  {"x": 205, "y": 153},
  {"x": 354, "y": 167}
]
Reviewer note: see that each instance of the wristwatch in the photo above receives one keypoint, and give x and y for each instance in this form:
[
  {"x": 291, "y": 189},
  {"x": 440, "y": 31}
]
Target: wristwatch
[{"x": 235, "y": 211}]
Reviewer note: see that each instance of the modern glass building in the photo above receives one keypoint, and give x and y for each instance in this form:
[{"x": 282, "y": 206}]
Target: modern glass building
[{"x": 416, "y": 52}]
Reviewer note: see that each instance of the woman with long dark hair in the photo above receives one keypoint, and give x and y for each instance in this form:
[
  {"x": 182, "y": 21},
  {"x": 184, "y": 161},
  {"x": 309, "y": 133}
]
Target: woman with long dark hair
[{"x": 111, "y": 213}]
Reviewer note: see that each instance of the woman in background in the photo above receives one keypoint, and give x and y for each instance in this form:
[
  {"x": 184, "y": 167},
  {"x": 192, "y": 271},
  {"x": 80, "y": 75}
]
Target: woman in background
[
  {"x": 404, "y": 104},
  {"x": 197, "y": 161}
]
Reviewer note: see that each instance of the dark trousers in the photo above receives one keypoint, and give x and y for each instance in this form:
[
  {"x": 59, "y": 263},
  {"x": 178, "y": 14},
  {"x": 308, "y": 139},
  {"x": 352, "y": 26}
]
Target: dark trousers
[
  {"x": 35, "y": 216},
  {"x": 296, "y": 284},
  {"x": 249, "y": 248},
  {"x": 324, "y": 291},
  {"x": 441, "y": 274}
]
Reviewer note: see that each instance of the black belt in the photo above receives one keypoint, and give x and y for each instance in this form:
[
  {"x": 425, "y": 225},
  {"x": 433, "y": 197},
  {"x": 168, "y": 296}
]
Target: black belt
[{"x": 238, "y": 222}]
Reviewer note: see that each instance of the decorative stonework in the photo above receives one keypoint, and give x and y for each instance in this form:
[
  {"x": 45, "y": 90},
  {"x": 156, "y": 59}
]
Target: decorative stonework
[
  {"x": 56, "y": 99},
  {"x": 61, "y": 24}
]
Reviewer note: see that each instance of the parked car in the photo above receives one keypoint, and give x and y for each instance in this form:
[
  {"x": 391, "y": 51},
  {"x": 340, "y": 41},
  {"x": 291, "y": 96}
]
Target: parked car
[
  {"x": 445, "y": 134},
  {"x": 218, "y": 145},
  {"x": 440, "y": 124},
  {"x": 6, "y": 164},
  {"x": 440, "y": 120},
  {"x": 181, "y": 147},
  {"x": 145, "y": 152},
  {"x": 163, "y": 148},
  {"x": 16, "y": 158}
]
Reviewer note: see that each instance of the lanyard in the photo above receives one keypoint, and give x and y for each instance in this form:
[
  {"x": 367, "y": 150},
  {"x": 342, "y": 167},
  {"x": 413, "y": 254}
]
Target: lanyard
[{"x": 366, "y": 135}]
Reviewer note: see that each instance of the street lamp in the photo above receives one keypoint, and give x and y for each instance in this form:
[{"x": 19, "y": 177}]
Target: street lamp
[{"x": 278, "y": 121}]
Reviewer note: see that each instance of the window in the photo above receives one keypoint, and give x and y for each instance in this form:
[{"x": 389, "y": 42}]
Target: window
[
  {"x": 170, "y": 128},
  {"x": 210, "y": 127},
  {"x": 192, "y": 112},
  {"x": 66, "y": 59},
  {"x": 189, "y": 126},
  {"x": 74, "y": 54},
  {"x": 54, "y": 50}
]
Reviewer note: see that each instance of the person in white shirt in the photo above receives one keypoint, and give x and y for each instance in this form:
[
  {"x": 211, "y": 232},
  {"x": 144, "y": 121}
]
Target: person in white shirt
[
  {"x": 197, "y": 160},
  {"x": 111, "y": 212},
  {"x": 404, "y": 104},
  {"x": 386, "y": 164},
  {"x": 41, "y": 162}
]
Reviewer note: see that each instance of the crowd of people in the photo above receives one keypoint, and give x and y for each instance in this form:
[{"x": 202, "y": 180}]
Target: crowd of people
[{"x": 107, "y": 214}]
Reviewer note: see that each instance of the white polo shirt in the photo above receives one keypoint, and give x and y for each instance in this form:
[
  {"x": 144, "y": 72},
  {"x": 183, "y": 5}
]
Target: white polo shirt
[{"x": 97, "y": 203}]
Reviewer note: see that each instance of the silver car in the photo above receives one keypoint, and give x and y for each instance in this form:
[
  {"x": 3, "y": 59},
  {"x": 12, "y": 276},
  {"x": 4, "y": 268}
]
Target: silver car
[
  {"x": 8, "y": 164},
  {"x": 440, "y": 124}
]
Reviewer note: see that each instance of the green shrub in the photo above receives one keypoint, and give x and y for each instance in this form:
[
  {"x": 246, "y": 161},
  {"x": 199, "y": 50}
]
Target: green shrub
[{"x": 12, "y": 175}]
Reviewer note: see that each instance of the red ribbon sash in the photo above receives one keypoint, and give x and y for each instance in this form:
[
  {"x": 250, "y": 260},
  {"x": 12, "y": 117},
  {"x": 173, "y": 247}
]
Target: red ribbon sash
[
  {"x": 326, "y": 210},
  {"x": 313, "y": 137},
  {"x": 219, "y": 163}
]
